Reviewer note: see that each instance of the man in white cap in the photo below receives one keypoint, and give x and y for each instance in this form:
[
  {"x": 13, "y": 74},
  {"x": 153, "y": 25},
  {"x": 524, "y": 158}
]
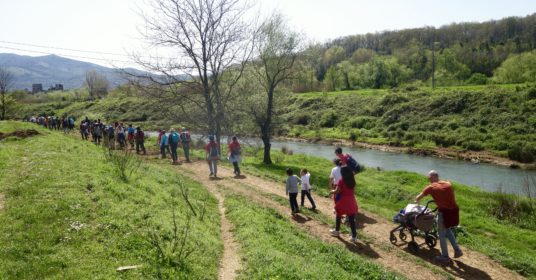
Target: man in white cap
[{"x": 448, "y": 213}]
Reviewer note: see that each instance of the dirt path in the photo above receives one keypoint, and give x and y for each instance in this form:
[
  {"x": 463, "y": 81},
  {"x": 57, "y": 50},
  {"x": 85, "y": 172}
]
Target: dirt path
[
  {"x": 230, "y": 261},
  {"x": 316, "y": 228},
  {"x": 472, "y": 265}
]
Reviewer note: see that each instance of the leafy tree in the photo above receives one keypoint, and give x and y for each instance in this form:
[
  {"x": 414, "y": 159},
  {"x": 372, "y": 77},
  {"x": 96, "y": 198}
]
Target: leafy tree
[
  {"x": 362, "y": 56},
  {"x": 518, "y": 68},
  {"x": 97, "y": 84},
  {"x": 278, "y": 48},
  {"x": 332, "y": 79},
  {"x": 6, "y": 81}
]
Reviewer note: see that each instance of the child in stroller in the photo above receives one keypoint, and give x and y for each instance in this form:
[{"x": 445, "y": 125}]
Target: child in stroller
[{"x": 417, "y": 220}]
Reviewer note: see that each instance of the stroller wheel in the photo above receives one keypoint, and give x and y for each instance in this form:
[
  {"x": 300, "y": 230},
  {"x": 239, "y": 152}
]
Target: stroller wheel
[
  {"x": 413, "y": 246},
  {"x": 431, "y": 241},
  {"x": 392, "y": 238},
  {"x": 402, "y": 236}
]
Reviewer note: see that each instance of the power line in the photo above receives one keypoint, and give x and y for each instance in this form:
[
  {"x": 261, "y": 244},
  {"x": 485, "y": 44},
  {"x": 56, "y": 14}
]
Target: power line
[
  {"x": 65, "y": 55},
  {"x": 58, "y": 48},
  {"x": 73, "y": 50}
]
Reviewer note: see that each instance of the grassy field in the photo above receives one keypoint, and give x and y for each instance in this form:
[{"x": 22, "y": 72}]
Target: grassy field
[
  {"x": 273, "y": 248},
  {"x": 68, "y": 215},
  {"x": 508, "y": 238}
]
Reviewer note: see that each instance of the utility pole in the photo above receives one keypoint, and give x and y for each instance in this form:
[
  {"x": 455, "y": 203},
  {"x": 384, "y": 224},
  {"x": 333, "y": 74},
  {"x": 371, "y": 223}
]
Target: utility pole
[{"x": 433, "y": 65}]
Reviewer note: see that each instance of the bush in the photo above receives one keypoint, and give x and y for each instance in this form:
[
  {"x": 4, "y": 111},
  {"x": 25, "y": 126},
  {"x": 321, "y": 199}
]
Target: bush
[
  {"x": 302, "y": 119},
  {"x": 329, "y": 119},
  {"x": 473, "y": 146},
  {"x": 363, "y": 122},
  {"x": 522, "y": 152},
  {"x": 477, "y": 79},
  {"x": 531, "y": 93}
]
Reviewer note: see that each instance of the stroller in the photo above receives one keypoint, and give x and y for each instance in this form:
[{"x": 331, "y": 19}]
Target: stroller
[{"x": 417, "y": 220}]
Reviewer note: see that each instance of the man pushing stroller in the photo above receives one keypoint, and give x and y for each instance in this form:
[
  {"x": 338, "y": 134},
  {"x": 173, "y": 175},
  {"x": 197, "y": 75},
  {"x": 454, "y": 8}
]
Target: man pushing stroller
[{"x": 448, "y": 213}]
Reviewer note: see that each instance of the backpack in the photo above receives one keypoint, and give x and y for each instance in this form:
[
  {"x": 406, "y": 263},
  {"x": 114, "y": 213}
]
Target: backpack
[
  {"x": 140, "y": 135},
  {"x": 174, "y": 137},
  {"x": 185, "y": 137},
  {"x": 353, "y": 164},
  {"x": 213, "y": 151}
]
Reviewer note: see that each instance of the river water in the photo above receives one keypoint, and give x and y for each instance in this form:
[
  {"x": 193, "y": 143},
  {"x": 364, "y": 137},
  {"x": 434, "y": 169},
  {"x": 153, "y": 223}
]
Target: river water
[{"x": 488, "y": 177}]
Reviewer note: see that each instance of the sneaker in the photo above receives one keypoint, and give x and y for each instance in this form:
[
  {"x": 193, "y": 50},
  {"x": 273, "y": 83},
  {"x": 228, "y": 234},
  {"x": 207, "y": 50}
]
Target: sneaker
[
  {"x": 458, "y": 253},
  {"x": 211, "y": 174},
  {"x": 352, "y": 239},
  {"x": 442, "y": 259},
  {"x": 334, "y": 232}
]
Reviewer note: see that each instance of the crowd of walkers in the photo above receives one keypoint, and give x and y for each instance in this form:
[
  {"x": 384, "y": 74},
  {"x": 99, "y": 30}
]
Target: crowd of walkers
[
  {"x": 342, "y": 180},
  {"x": 117, "y": 135},
  {"x": 55, "y": 123}
]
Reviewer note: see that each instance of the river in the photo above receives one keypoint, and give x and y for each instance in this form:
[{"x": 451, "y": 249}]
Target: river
[{"x": 488, "y": 177}]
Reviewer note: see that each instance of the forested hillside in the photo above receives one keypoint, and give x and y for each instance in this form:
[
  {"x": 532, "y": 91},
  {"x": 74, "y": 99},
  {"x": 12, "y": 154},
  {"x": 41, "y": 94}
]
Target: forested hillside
[{"x": 463, "y": 53}]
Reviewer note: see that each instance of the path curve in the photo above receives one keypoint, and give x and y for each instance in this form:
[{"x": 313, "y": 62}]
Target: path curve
[{"x": 473, "y": 265}]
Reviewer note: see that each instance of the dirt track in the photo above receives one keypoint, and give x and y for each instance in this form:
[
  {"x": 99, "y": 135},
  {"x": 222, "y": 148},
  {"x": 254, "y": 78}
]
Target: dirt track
[{"x": 472, "y": 265}]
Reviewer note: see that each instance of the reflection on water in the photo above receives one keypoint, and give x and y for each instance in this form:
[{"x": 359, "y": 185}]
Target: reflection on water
[{"x": 486, "y": 176}]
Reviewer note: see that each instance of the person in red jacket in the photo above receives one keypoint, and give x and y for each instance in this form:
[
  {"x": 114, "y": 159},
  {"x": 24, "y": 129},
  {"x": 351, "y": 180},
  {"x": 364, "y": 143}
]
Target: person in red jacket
[
  {"x": 448, "y": 213},
  {"x": 345, "y": 204}
]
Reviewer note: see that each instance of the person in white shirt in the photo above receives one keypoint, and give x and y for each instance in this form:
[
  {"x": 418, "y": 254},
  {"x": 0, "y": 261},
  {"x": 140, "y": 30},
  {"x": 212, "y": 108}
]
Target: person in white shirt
[
  {"x": 335, "y": 175},
  {"x": 306, "y": 188}
]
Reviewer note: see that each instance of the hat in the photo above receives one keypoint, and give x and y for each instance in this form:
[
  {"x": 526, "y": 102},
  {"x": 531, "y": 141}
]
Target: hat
[{"x": 211, "y": 137}]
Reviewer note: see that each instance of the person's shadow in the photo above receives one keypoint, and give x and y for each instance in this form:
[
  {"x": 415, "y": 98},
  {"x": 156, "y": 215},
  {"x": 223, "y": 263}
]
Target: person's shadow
[
  {"x": 361, "y": 220},
  {"x": 456, "y": 267}
]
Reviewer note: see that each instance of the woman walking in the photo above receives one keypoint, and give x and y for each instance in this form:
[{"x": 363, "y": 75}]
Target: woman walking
[
  {"x": 234, "y": 154},
  {"x": 345, "y": 203}
]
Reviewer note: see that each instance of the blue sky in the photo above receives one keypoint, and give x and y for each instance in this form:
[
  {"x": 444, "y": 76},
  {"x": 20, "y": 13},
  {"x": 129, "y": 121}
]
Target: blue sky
[{"x": 112, "y": 25}]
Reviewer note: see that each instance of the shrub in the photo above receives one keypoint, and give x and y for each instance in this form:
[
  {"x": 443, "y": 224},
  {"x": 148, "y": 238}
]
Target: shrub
[
  {"x": 473, "y": 146},
  {"x": 302, "y": 119},
  {"x": 477, "y": 79},
  {"x": 363, "y": 122},
  {"x": 531, "y": 93},
  {"x": 328, "y": 119},
  {"x": 522, "y": 152}
]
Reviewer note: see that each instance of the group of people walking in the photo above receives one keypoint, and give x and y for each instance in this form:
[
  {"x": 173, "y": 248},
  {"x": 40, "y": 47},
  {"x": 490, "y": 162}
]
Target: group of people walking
[
  {"x": 341, "y": 179},
  {"x": 169, "y": 142},
  {"x": 54, "y": 122},
  {"x": 342, "y": 183}
]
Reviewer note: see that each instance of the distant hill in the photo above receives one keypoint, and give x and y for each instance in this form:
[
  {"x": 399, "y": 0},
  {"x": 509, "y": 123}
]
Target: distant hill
[{"x": 52, "y": 69}]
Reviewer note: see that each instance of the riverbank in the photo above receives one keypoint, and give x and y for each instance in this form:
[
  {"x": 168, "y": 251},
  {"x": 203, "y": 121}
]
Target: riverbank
[{"x": 470, "y": 156}]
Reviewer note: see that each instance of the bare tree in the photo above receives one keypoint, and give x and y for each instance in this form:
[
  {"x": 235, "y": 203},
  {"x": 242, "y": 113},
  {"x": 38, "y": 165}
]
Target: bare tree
[
  {"x": 210, "y": 43},
  {"x": 278, "y": 49},
  {"x": 97, "y": 84},
  {"x": 6, "y": 81}
]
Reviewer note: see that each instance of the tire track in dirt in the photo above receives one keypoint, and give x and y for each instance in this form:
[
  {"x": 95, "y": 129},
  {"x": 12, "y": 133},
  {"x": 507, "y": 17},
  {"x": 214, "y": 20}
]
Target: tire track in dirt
[
  {"x": 473, "y": 265},
  {"x": 316, "y": 228}
]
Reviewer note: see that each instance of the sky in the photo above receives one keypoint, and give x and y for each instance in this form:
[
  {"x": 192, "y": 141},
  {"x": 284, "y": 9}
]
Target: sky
[{"x": 106, "y": 32}]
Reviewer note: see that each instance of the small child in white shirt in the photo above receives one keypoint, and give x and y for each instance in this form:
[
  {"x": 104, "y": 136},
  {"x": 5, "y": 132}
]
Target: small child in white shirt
[{"x": 306, "y": 188}]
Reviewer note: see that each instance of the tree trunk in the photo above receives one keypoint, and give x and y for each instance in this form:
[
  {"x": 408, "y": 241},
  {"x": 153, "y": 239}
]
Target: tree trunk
[
  {"x": 3, "y": 106},
  {"x": 267, "y": 146},
  {"x": 267, "y": 127}
]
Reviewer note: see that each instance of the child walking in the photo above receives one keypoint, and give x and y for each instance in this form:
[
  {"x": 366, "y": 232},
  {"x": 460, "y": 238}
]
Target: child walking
[
  {"x": 306, "y": 188},
  {"x": 292, "y": 191}
]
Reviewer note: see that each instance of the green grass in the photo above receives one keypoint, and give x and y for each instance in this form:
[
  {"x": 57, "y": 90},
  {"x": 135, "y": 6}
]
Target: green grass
[
  {"x": 69, "y": 216},
  {"x": 513, "y": 244},
  {"x": 274, "y": 248}
]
